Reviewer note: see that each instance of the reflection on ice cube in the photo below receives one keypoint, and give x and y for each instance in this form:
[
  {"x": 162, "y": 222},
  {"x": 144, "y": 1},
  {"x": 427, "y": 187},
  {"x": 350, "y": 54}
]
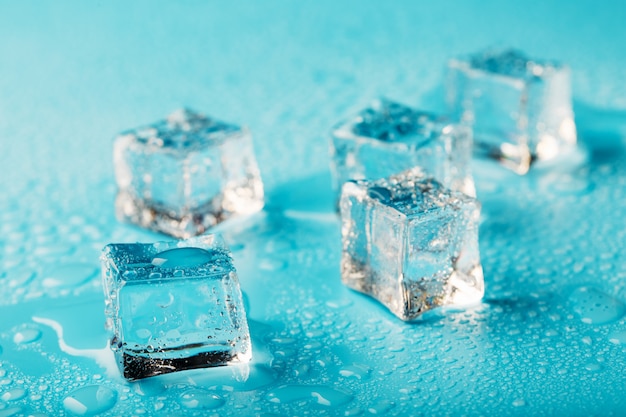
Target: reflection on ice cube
[
  {"x": 185, "y": 174},
  {"x": 410, "y": 243}
]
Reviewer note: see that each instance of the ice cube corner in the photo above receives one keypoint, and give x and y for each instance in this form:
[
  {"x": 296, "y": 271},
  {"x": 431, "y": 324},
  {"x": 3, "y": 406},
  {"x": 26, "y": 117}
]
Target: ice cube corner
[
  {"x": 173, "y": 306},
  {"x": 410, "y": 243},
  {"x": 185, "y": 174}
]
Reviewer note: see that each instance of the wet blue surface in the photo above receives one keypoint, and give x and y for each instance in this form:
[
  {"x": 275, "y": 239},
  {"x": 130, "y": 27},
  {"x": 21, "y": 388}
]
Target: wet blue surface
[{"x": 550, "y": 336}]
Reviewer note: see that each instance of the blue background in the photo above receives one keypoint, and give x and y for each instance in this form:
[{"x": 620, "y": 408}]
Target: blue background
[{"x": 550, "y": 337}]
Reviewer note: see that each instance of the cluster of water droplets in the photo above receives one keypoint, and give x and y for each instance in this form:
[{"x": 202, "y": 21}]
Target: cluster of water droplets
[{"x": 554, "y": 313}]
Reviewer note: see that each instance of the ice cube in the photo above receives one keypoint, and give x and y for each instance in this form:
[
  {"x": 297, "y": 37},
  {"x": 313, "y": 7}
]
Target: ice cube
[
  {"x": 389, "y": 137},
  {"x": 520, "y": 108},
  {"x": 185, "y": 174},
  {"x": 410, "y": 243},
  {"x": 173, "y": 306}
]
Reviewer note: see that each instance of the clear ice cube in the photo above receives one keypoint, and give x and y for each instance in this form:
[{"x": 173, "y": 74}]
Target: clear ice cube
[
  {"x": 389, "y": 137},
  {"x": 520, "y": 108},
  {"x": 173, "y": 306},
  {"x": 410, "y": 243},
  {"x": 185, "y": 174}
]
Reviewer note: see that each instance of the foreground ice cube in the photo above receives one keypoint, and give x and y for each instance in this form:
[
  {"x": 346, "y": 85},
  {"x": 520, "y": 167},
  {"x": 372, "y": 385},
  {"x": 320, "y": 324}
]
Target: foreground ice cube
[
  {"x": 185, "y": 174},
  {"x": 173, "y": 306},
  {"x": 520, "y": 108},
  {"x": 389, "y": 137},
  {"x": 410, "y": 243}
]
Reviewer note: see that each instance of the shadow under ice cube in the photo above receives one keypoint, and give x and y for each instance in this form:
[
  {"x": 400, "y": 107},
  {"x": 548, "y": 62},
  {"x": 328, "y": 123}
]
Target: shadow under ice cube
[
  {"x": 410, "y": 243},
  {"x": 520, "y": 108},
  {"x": 389, "y": 137},
  {"x": 173, "y": 306},
  {"x": 185, "y": 174}
]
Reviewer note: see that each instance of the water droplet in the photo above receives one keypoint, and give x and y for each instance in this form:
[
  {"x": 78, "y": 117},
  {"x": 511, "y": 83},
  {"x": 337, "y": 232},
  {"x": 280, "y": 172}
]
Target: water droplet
[
  {"x": 130, "y": 275},
  {"x": 322, "y": 395},
  {"x": 148, "y": 387},
  {"x": 182, "y": 258},
  {"x": 593, "y": 366},
  {"x": 351, "y": 412},
  {"x": 357, "y": 371},
  {"x": 27, "y": 335},
  {"x": 199, "y": 398},
  {"x": 18, "y": 277},
  {"x": 11, "y": 411},
  {"x": 618, "y": 337},
  {"x": 13, "y": 394},
  {"x": 379, "y": 193},
  {"x": 595, "y": 307},
  {"x": 520, "y": 402},
  {"x": 90, "y": 400},
  {"x": 381, "y": 407},
  {"x": 267, "y": 264},
  {"x": 339, "y": 303},
  {"x": 69, "y": 275},
  {"x": 568, "y": 185}
]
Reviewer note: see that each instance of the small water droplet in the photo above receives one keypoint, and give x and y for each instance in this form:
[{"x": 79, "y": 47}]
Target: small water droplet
[
  {"x": 69, "y": 275},
  {"x": 182, "y": 258},
  {"x": 381, "y": 407},
  {"x": 322, "y": 395},
  {"x": 357, "y": 371},
  {"x": 520, "y": 402},
  {"x": 381, "y": 194},
  {"x": 272, "y": 264},
  {"x": 130, "y": 275},
  {"x": 90, "y": 400},
  {"x": 197, "y": 398},
  {"x": 339, "y": 303},
  {"x": 618, "y": 337},
  {"x": 593, "y": 366}
]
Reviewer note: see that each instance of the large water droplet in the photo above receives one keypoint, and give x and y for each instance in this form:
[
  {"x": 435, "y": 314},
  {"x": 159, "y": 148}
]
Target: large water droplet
[
  {"x": 11, "y": 411},
  {"x": 69, "y": 275},
  {"x": 323, "y": 395},
  {"x": 18, "y": 277},
  {"x": 200, "y": 399},
  {"x": 90, "y": 400},
  {"x": 27, "y": 335},
  {"x": 182, "y": 258},
  {"x": 595, "y": 307},
  {"x": 13, "y": 394}
]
